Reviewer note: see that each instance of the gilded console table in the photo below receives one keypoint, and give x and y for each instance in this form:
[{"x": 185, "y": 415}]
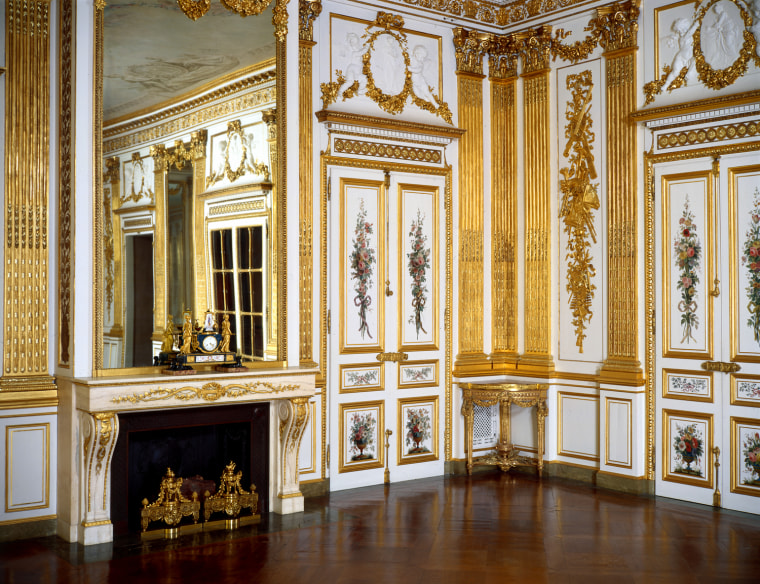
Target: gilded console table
[{"x": 505, "y": 394}]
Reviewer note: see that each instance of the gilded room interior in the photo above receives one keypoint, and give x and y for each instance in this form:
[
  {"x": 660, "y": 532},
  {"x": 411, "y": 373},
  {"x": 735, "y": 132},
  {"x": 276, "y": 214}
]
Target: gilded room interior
[{"x": 417, "y": 234}]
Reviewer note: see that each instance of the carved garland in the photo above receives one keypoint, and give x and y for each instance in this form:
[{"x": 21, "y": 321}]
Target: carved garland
[
  {"x": 390, "y": 25},
  {"x": 579, "y": 200},
  {"x": 235, "y": 133},
  {"x": 210, "y": 392}
]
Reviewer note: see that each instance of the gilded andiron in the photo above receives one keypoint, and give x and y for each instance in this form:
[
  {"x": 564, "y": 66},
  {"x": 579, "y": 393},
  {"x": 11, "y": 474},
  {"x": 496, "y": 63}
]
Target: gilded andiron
[
  {"x": 231, "y": 498},
  {"x": 170, "y": 506}
]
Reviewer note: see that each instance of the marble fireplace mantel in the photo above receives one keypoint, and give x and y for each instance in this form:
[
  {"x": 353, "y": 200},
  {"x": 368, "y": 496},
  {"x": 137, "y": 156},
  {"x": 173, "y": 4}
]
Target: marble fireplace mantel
[{"x": 89, "y": 427}]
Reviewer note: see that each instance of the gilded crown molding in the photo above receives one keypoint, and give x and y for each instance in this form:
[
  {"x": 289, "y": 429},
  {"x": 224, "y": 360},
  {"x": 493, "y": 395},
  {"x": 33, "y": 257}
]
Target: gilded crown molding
[
  {"x": 470, "y": 47},
  {"x": 308, "y": 10}
]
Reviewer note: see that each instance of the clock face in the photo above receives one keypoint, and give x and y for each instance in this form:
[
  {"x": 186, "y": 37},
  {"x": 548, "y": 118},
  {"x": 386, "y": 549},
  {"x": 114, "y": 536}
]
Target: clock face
[{"x": 209, "y": 343}]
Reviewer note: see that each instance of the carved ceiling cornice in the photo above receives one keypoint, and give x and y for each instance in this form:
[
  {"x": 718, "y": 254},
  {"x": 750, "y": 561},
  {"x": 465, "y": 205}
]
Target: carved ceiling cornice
[{"x": 493, "y": 13}]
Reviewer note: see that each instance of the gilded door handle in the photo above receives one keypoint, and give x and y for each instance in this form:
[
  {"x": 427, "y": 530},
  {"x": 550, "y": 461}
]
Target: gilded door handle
[
  {"x": 397, "y": 357},
  {"x": 715, "y": 292},
  {"x": 721, "y": 367}
]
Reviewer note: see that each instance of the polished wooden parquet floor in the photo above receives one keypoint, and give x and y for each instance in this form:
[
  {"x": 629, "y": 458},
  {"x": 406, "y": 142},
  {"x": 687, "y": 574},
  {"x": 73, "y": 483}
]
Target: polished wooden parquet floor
[{"x": 492, "y": 527}]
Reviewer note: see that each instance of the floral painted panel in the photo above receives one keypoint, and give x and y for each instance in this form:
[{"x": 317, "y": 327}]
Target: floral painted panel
[
  {"x": 687, "y": 385},
  {"x": 361, "y": 430},
  {"x": 418, "y": 246},
  {"x": 688, "y": 444},
  {"x": 686, "y": 305},
  {"x": 362, "y": 274},
  {"x": 418, "y": 373},
  {"x": 361, "y": 377},
  {"x": 745, "y": 456},
  {"x": 748, "y": 391},
  {"x": 418, "y": 428},
  {"x": 745, "y": 198}
]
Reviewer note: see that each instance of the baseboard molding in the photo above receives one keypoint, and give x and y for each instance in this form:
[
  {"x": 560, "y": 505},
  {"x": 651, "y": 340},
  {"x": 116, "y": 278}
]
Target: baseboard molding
[
  {"x": 316, "y": 488},
  {"x": 591, "y": 476},
  {"x": 28, "y": 529}
]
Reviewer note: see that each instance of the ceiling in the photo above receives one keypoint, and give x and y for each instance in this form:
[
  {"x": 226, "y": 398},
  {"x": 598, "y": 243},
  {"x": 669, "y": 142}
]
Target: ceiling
[{"x": 153, "y": 53}]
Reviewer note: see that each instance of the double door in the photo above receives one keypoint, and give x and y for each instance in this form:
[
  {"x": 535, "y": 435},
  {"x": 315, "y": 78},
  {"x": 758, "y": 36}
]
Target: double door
[
  {"x": 386, "y": 274},
  {"x": 707, "y": 266}
]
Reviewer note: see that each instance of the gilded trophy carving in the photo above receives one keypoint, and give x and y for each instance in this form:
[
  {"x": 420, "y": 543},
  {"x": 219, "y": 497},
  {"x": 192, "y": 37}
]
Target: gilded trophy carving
[{"x": 579, "y": 201}]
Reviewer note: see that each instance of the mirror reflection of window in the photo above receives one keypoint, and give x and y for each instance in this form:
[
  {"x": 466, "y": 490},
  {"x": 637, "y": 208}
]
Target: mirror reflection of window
[
  {"x": 239, "y": 285},
  {"x": 139, "y": 300}
]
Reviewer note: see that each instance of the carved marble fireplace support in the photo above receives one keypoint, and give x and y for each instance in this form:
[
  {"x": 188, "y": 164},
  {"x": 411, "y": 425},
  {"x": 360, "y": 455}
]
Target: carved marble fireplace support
[
  {"x": 99, "y": 433},
  {"x": 294, "y": 416},
  {"x": 89, "y": 427}
]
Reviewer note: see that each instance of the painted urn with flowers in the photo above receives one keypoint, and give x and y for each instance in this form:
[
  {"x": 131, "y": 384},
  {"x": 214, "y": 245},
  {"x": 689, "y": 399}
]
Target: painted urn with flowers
[{"x": 688, "y": 444}]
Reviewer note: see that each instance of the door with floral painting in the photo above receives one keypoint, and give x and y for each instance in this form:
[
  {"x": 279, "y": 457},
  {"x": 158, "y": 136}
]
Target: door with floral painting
[
  {"x": 707, "y": 349},
  {"x": 386, "y": 275}
]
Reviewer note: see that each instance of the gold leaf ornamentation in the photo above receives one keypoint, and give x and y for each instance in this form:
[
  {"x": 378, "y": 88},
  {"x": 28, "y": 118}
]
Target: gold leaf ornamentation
[
  {"x": 210, "y": 392},
  {"x": 579, "y": 200},
  {"x": 388, "y": 25}
]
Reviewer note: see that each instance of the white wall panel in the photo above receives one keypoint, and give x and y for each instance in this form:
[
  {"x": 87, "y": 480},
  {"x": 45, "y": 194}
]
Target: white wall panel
[
  {"x": 578, "y": 425},
  {"x": 618, "y": 432},
  {"x": 28, "y": 449}
]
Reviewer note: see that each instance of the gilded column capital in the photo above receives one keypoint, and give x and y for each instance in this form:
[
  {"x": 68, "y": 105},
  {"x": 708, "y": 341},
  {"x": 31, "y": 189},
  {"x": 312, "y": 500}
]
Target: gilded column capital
[
  {"x": 470, "y": 48},
  {"x": 158, "y": 153},
  {"x": 502, "y": 56},
  {"x": 280, "y": 19},
  {"x": 269, "y": 117},
  {"x": 536, "y": 48},
  {"x": 617, "y": 25},
  {"x": 308, "y": 10},
  {"x": 198, "y": 144},
  {"x": 111, "y": 174}
]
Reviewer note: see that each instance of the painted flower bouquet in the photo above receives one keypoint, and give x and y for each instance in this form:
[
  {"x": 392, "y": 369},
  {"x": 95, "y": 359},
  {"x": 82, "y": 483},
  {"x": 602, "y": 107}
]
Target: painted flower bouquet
[
  {"x": 417, "y": 429},
  {"x": 751, "y": 452},
  {"x": 418, "y": 264},
  {"x": 365, "y": 378},
  {"x": 361, "y": 434},
  {"x": 688, "y": 444},
  {"x": 362, "y": 267},
  {"x": 687, "y": 251},
  {"x": 751, "y": 259}
]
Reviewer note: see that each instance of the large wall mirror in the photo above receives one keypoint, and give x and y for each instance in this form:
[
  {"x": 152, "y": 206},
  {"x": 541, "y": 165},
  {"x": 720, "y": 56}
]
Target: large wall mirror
[{"x": 188, "y": 202}]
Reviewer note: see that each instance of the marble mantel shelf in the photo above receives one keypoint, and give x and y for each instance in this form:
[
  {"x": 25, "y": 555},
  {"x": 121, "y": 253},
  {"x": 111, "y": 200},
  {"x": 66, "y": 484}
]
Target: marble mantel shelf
[
  {"x": 155, "y": 392},
  {"x": 88, "y": 429}
]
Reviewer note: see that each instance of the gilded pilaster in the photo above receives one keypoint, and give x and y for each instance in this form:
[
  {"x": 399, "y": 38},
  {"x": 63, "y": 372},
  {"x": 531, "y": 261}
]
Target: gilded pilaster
[
  {"x": 270, "y": 119},
  {"x": 198, "y": 158},
  {"x": 278, "y": 321},
  {"x": 622, "y": 364},
  {"x": 27, "y": 123},
  {"x": 502, "y": 74},
  {"x": 470, "y": 49},
  {"x": 65, "y": 179},
  {"x": 160, "y": 169},
  {"x": 112, "y": 246},
  {"x": 537, "y": 172},
  {"x": 307, "y": 14}
]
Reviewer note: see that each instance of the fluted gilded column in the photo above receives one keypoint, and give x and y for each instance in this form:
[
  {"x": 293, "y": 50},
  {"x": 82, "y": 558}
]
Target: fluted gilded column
[
  {"x": 502, "y": 74},
  {"x": 622, "y": 365},
  {"x": 307, "y": 14},
  {"x": 537, "y": 172},
  {"x": 470, "y": 49},
  {"x": 26, "y": 321},
  {"x": 270, "y": 118}
]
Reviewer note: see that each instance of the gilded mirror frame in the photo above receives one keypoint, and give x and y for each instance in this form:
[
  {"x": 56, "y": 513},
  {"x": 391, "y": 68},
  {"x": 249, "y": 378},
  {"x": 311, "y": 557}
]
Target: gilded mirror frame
[{"x": 278, "y": 320}]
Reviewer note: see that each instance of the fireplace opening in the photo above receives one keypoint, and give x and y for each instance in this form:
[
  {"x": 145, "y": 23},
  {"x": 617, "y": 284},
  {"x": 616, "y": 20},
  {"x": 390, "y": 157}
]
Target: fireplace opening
[{"x": 190, "y": 441}]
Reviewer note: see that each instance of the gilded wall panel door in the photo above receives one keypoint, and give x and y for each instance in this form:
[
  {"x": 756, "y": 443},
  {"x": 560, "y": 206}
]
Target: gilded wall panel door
[
  {"x": 708, "y": 341},
  {"x": 384, "y": 284}
]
